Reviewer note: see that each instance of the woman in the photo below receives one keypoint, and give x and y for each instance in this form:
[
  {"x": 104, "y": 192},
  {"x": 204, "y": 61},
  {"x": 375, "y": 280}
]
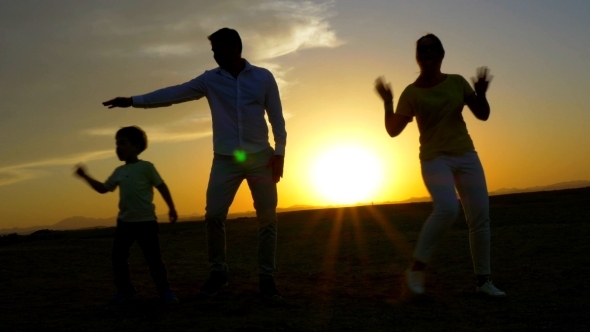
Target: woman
[{"x": 447, "y": 155}]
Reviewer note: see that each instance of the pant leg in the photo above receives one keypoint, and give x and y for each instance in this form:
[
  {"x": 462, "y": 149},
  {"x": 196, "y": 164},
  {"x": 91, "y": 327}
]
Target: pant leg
[
  {"x": 438, "y": 178},
  {"x": 471, "y": 185},
  {"x": 124, "y": 239},
  {"x": 264, "y": 194},
  {"x": 224, "y": 181},
  {"x": 149, "y": 242}
]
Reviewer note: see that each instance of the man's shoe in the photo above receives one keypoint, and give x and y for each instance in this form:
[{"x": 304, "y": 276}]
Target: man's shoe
[
  {"x": 121, "y": 297},
  {"x": 489, "y": 289},
  {"x": 268, "y": 288},
  {"x": 217, "y": 280},
  {"x": 169, "y": 298},
  {"x": 415, "y": 281}
]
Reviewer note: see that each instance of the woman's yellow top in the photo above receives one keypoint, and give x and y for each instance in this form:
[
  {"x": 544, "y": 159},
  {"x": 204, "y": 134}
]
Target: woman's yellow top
[{"x": 438, "y": 112}]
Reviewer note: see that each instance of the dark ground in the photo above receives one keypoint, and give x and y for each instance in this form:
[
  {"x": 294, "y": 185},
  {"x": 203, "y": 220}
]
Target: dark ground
[{"x": 339, "y": 270}]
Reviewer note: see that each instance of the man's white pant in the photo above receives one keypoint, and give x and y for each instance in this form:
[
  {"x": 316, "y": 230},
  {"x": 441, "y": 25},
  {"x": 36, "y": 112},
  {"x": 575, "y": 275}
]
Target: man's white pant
[
  {"x": 226, "y": 176},
  {"x": 441, "y": 176}
]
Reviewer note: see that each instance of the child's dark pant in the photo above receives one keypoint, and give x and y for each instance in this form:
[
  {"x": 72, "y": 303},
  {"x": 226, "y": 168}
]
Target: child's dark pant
[{"x": 146, "y": 235}]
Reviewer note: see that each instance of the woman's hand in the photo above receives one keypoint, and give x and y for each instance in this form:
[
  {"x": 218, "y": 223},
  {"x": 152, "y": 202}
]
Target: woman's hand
[
  {"x": 384, "y": 90},
  {"x": 482, "y": 81},
  {"x": 477, "y": 102}
]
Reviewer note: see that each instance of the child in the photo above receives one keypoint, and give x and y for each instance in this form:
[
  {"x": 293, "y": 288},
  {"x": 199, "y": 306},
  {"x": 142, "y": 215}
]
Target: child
[{"x": 137, "y": 219}]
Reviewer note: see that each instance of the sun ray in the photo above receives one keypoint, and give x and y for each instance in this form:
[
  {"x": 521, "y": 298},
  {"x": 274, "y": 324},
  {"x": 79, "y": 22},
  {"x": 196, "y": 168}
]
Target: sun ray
[
  {"x": 396, "y": 238},
  {"x": 359, "y": 238},
  {"x": 331, "y": 255},
  {"x": 310, "y": 224}
]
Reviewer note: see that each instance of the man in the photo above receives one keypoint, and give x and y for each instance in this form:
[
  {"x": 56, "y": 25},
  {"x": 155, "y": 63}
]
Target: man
[{"x": 238, "y": 95}]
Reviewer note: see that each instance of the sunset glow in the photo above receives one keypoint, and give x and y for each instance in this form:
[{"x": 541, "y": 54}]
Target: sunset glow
[
  {"x": 325, "y": 57},
  {"x": 346, "y": 174}
]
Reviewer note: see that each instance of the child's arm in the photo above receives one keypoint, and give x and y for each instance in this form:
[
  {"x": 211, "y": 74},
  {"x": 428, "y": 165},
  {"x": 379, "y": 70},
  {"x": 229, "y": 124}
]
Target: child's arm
[
  {"x": 98, "y": 186},
  {"x": 163, "y": 189}
]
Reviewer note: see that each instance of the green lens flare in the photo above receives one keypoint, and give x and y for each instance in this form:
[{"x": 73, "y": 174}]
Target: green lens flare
[{"x": 240, "y": 156}]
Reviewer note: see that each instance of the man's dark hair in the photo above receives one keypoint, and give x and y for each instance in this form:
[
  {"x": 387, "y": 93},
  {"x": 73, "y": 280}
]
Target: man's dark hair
[
  {"x": 135, "y": 135},
  {"x": 434, "y": 38},
  {"x": 226, "y": 36}
]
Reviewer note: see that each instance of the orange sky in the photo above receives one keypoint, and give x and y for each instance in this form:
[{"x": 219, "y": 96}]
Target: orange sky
[{"x": 61, "y": 62}]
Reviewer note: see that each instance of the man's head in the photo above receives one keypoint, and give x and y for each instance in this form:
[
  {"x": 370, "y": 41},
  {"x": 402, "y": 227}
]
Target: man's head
[
  {"x": 131, "y": 141},
  {"x": 226, "y": 45}
]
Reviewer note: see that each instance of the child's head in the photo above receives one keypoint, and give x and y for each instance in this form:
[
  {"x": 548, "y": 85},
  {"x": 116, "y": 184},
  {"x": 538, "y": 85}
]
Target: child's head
[{"x": 131, "y": 141}]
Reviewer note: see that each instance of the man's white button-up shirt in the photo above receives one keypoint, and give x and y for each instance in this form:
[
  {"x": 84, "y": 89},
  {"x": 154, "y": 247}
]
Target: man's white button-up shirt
[{"x": 237, "y": 107}]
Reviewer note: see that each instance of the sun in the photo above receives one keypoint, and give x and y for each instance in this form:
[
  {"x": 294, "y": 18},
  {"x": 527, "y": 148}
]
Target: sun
[{"x": 346, "y": 174}]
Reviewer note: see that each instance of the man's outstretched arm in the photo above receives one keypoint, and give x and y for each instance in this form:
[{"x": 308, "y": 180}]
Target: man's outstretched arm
[{"x": 191, "y": 90}]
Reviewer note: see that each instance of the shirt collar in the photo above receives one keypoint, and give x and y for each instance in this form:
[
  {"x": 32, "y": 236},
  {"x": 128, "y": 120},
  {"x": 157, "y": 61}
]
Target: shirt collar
[{"x": 224, "y": 72}]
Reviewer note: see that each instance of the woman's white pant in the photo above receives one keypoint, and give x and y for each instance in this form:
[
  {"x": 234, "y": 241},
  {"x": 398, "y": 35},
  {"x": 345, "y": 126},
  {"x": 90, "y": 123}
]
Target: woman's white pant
[{"x": 441, "y": 176}]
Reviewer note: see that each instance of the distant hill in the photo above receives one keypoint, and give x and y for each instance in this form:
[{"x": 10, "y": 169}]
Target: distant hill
[
  {"x": 505, "y": 191},
  {"x": 66, "y": 224},
  {"x": 551, "y": 187},
  {"x": 83, "y": 222},
  {"x": 79, "y": 222}
]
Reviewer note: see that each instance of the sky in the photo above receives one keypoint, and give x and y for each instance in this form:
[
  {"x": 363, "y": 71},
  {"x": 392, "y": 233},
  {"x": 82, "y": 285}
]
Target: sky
[{"x": 61, "y": 59}]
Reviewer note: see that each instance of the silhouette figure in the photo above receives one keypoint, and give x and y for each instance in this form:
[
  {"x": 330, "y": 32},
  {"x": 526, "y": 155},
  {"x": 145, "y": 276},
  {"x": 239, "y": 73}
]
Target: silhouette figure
[
  {"x": 137, "y": 219},
  {"x": 447, "y": 155},
  {"x": 238, "y": 94}
]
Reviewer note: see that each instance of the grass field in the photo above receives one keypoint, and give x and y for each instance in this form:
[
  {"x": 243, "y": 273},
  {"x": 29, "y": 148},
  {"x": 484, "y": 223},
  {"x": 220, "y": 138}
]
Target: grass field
[{"x": 339, "y": 270}]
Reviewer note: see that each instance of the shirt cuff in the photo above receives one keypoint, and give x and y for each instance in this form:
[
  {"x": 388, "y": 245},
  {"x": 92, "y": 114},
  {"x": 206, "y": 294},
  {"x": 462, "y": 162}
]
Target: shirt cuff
[
  {"x": 137, "y": 101},
  {"x": 280, "y": 150}
]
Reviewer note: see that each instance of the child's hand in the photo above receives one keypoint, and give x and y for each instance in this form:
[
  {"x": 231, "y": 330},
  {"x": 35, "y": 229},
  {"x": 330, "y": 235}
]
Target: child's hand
[
  {"x": 80, "y": 170},
  {"x": 172, "y": 215}
]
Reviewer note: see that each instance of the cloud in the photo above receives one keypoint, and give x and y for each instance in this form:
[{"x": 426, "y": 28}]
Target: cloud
[
  {"x": 185, "y": 129},
  {"x": 27, "y": 171},
  {"x": 290, "y": 26},
  {"x": 269, "y": 30},
  {"x": 10, "y": 176}
]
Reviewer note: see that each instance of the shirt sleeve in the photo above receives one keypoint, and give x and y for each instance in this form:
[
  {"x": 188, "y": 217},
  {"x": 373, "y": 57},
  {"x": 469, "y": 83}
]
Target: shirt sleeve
[
  {"x": 191, "y": 90},
  {"x": 153, "y": 175},
  {"x": 404, "y": 106},
  {"x": 274, "y": 110},
  {"x": 112, "y": 182}
]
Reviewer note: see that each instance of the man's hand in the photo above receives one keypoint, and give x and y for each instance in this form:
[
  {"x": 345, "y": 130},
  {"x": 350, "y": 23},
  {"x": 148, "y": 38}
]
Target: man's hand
[
  {"x": 384, "y": 90},
  {"x": 481, "y": 83},
  {"x": 119, "y": 102},
  {"x": 173, "y": 216},
  {"x": 276, "y": 162}
]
